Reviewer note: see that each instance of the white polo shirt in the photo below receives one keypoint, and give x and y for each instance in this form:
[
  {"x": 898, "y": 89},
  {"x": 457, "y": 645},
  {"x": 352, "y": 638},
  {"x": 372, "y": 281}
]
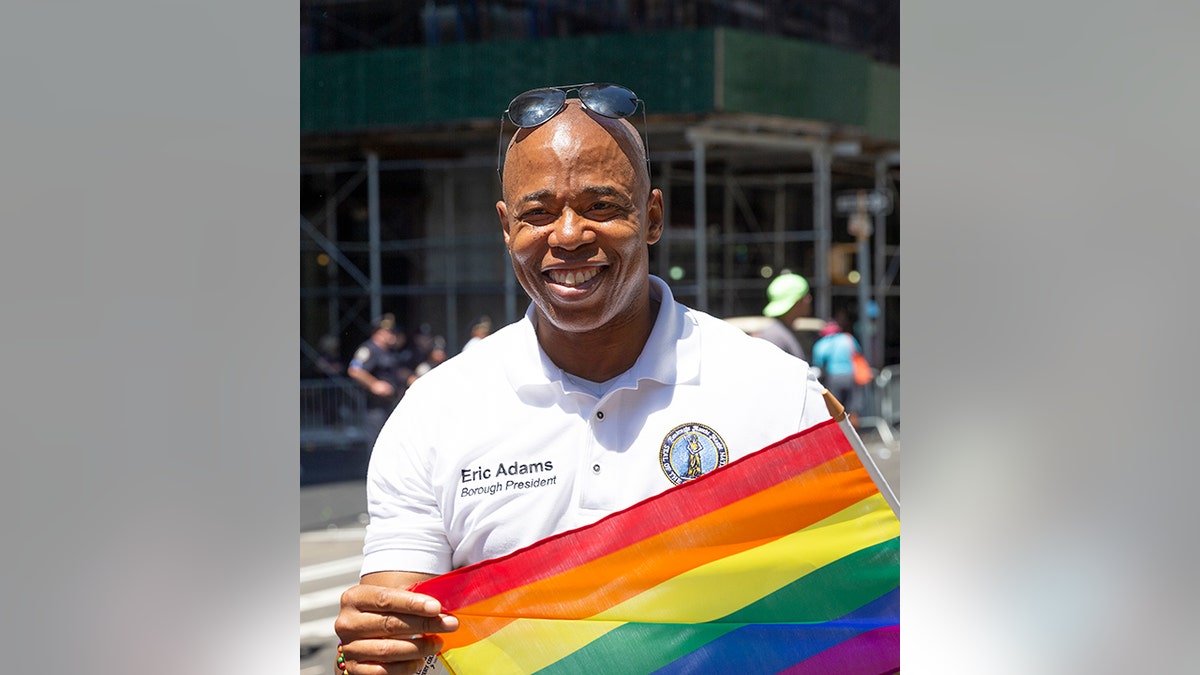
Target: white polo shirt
[{"x": 495, "y": 449}]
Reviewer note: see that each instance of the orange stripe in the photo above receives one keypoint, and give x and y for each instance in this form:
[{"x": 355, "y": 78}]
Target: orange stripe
[{"x": 756, "y": 520}]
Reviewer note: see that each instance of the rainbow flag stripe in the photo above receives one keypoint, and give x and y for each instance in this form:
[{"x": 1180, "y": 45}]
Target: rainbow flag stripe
[{"x": 785, "y": 561}]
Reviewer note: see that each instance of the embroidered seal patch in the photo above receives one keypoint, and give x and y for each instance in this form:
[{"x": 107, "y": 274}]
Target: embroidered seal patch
[{"x": 691, "y": 450}]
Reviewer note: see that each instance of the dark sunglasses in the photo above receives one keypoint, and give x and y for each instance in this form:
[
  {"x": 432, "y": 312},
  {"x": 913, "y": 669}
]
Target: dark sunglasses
[{"x": 537, "y": 106}]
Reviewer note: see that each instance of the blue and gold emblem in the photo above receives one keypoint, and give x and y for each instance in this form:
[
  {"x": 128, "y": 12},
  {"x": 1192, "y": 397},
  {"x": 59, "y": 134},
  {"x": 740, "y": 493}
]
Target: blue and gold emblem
[{"x": 691, "y": 450}]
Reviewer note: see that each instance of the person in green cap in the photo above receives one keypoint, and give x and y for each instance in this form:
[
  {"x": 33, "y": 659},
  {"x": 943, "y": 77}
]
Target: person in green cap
[{"x": 789, "y": 300}]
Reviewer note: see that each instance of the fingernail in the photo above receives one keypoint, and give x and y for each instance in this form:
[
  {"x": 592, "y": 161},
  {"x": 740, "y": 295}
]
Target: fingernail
[
  {"x": 432, "y": 606},
  {"x": 450, "y": 622}
]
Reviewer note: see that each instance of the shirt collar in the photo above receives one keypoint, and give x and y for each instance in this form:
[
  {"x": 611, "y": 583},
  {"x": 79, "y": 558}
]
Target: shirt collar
[{"x": 671, "y": 355}]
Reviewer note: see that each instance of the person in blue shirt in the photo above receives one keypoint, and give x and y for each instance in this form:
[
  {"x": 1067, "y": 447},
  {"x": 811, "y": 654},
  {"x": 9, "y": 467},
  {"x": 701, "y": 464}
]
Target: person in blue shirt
[{"x": 833, "y": 354}]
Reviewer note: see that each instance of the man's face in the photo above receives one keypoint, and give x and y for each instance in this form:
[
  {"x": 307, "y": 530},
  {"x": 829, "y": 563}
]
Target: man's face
[
  {"x": 389, "y": 340},
  {"x": 578, "y": 216}
]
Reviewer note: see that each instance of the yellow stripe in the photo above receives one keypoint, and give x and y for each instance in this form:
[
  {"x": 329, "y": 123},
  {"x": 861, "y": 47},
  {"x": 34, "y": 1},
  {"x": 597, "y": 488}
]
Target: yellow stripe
[
  {"x": 705, "y": 594},
  {"x": 699, "y": 595},
  {"x": 527, "y": 645}
]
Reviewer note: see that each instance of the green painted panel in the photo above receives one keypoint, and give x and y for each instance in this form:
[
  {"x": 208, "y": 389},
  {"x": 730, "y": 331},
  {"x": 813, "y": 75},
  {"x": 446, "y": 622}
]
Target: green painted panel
[
  {"x": 671, "y": 71},
  {"x": 779, "y": 76},
  {"x": 883, "y": 112}
]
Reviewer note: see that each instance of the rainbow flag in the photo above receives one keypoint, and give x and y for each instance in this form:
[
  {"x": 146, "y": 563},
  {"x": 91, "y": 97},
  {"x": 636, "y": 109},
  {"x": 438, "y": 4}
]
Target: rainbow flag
[{"x": 784, "y": 561}]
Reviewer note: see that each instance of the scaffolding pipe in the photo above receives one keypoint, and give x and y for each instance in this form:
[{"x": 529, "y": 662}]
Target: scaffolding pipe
[
  {"x": 881, "y": 184},
  {"x": 823, "y": 224},
  {"x": 780, "y": 258},
  {"x": 334, "y": 252},
  {"x": 866, "y": 336},
  {"x": 701, "y": 221},
  {"x": 727, "y": 249},
  {"x": 450, "y": 252},
  {"x": 373, "y": 234},
  {"x": 704, "y": 136},
  {"x": 333, "y": 307},
  {"x": 664, "y": 243}
]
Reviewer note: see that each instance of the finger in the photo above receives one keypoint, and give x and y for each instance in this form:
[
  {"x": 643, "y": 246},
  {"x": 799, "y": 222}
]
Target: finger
[
  {"x": 403, "y": 625},
  {"x": 390, "y": 656},
  {"x": 394, "y": 600},
  {"x": 350, "y": 625},
  {"x": 392, "y": 650}
]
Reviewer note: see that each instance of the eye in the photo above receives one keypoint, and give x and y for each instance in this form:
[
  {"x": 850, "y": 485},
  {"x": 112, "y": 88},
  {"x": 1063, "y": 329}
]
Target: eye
[
  {"x": 537, "y": 217},
  {"x": 603, "y": 210}
]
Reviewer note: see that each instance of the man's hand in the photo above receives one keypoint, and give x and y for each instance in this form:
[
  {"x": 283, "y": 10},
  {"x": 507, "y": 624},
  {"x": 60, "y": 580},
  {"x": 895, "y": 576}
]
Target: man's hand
[
  {"x": 387, "y": 630},
  {"x": 382, "y": 389}
]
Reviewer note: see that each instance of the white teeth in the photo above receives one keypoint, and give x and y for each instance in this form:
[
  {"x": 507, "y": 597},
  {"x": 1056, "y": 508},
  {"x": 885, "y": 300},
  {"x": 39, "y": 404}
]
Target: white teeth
[{"x": 573, "y": 277}]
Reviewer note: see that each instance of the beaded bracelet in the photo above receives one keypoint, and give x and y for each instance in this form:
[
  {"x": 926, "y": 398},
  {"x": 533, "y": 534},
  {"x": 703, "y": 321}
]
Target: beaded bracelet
[{"x": 341, "y": 660}]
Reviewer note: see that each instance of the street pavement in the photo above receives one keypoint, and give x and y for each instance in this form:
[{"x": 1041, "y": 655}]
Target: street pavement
[{"x": 332, "y": 521}]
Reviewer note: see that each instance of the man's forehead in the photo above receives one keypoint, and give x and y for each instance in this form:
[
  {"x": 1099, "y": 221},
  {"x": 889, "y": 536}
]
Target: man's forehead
[
  {"x": 574, "y": 135},
  {"x": 565, "y": 140},
  {"x": 574, "y": 124}
]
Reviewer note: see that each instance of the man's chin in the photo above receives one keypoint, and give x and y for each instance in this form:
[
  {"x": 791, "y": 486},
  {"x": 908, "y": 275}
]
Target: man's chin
[{"x": 577, "y": 320}]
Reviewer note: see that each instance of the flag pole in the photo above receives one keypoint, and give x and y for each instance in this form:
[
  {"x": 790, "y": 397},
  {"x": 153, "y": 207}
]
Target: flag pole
[{"x": 838, "y": 412}]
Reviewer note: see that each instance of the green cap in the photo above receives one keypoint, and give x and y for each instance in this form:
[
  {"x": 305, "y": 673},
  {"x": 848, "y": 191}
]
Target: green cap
[{"x": 784, "y": 292}]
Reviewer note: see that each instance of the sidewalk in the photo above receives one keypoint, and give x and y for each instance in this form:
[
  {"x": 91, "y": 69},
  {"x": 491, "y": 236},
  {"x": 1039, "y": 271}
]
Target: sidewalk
[{"x": 340, "y": 504}]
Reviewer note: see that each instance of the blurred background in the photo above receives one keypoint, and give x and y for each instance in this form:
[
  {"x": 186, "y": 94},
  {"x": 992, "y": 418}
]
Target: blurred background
[{"x": 787, "y": 115}]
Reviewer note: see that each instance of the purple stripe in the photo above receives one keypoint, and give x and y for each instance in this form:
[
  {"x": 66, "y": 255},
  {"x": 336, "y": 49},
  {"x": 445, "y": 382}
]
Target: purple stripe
[{"x": 875, "y": 652}]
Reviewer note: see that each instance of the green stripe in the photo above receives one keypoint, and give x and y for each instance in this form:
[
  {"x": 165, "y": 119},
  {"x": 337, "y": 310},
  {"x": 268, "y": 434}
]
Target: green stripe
[
  {"x": 824, "y": 594},
  {"x": 639, "y": 648}
]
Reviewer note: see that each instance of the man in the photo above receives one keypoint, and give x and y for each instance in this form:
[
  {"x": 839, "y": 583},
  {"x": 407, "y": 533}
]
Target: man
[
  {"x": 377, "y": 366},
  {"x": 437, "y": 356},
  {"x": 481, "y": 328},
  {"x": 606, "y": 393},
  {"x": 789, "y": 300}
]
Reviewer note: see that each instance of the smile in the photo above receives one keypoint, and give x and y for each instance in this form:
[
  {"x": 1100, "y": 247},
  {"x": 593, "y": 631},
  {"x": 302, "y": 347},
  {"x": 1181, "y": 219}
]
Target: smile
[{"x": 572, "y": 278}]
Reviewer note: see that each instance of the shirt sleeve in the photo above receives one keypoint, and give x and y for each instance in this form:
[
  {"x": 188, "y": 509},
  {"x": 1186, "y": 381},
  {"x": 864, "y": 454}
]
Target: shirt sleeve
[
  {"x": 362, "y": 358},
  {"x": 815, "y": 411},
  {"x": 406, "y": 532}
]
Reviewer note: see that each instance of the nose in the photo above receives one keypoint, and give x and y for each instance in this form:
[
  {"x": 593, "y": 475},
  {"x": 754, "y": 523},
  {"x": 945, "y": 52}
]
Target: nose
[{"x": 571, "y": 231}]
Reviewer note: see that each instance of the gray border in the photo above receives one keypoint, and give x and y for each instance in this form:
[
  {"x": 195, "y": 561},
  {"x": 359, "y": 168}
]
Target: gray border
[
  {"x": 150, "y": 313},
  {"x": 150, "y": 192},
  {"x": 1050, "y": 223}
]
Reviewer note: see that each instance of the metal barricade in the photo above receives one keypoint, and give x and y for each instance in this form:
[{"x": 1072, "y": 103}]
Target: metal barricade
[
  {"x": 887, "y": 386},
  {"x": 881, "y": 404},
  {"x": 332, "y": 413}
]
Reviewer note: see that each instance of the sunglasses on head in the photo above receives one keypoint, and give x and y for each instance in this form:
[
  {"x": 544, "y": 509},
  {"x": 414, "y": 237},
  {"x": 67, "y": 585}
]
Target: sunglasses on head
[{"x": 537, "y": 106}]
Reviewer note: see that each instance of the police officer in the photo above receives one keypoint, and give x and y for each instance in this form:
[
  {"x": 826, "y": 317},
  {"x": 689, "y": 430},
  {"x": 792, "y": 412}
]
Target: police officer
[{"x": 378, "y": 366}]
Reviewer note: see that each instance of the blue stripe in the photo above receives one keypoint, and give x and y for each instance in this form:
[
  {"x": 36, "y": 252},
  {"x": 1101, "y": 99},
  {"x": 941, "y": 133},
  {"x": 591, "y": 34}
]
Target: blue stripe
[{"x": 742, "y": 650}]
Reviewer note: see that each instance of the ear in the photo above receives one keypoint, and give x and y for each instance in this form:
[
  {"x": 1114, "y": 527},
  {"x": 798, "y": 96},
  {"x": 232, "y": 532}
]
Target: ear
[
  {"x": 502, "y": 211},
  {"x": 654, "y": 216}
]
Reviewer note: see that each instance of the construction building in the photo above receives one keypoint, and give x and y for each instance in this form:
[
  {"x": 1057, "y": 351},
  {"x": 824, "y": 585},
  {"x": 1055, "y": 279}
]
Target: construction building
[{"x": 787, "y": 115}]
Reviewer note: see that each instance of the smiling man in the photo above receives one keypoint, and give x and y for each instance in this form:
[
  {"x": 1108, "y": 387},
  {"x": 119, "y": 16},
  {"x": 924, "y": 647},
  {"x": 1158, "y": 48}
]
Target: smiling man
[
  {"x": 578, "y": 218},
  {"x": 607, "y": 392}
]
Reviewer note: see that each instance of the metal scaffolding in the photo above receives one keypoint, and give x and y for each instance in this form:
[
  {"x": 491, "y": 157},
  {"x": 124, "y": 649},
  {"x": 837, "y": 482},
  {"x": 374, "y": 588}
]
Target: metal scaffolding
[{"x": 447, "y": 264}]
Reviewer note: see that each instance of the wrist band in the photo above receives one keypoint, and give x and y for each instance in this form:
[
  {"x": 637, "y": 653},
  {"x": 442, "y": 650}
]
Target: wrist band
[{"x": 341, "y": 659}]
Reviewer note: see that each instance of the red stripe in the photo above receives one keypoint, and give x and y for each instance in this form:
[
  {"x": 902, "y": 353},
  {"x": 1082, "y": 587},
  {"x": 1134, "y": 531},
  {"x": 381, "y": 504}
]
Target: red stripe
[{"x": 556, "y": 554}]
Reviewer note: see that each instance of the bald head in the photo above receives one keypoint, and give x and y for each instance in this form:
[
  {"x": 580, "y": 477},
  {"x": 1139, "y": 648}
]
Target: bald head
[{"x": 576, "y": 134}]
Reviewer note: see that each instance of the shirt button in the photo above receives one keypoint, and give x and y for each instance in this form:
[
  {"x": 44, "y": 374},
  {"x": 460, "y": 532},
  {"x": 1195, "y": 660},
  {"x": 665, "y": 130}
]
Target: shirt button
[
  {"x": 595, "y": 468},
  {"x": 599, "y": 414}
]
